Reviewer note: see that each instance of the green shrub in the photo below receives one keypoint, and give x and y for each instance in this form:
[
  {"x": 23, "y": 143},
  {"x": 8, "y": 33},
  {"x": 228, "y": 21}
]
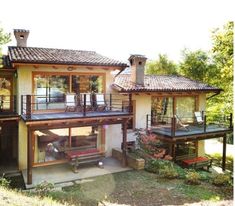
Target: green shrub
[
  {"x": 221, "y": 179},
  {"x": 169, "y": 172},
  {"x": 4, "y": 182},
  {"x": 192, "y": 178},
  {"x": 155, "y": 165},
  {"x": 44, "y": 187}
]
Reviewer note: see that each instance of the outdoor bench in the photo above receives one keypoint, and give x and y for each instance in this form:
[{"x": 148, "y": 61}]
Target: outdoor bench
[
  {"x": 197, "y": 162},
  {"x": 77, "y": 157}
]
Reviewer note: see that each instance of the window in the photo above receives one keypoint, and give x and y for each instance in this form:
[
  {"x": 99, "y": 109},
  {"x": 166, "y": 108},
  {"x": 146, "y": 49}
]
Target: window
[
  {"x": 5, "y": 93},
  {"x": 87, "y": 84},
  {"x": 51, "y": 144},
  {"x": 185, "y": 108}
]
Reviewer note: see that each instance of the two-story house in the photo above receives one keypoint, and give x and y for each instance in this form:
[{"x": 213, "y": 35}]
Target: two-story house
[{"x": 58, "y": 100}]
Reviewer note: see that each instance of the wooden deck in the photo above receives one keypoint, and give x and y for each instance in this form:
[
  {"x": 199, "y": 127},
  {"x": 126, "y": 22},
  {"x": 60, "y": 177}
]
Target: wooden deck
[
  {"x": 72, "y": 115},
  {"x": 166, "y": 131}
]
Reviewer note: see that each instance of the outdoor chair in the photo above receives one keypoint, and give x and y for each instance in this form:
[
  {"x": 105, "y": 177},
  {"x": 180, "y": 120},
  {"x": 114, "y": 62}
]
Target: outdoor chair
[
  {"x": 89, "y": 102},
  {"x": 70, "y": 103},
  {"x": 100, "y": 102},
  {"x": 198, "y": 117},
  {"x": 180, "y": 124}
]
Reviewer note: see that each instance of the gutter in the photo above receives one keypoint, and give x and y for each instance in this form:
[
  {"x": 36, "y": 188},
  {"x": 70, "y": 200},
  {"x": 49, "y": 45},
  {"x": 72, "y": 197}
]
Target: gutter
[{"x": 217, "y": 93}]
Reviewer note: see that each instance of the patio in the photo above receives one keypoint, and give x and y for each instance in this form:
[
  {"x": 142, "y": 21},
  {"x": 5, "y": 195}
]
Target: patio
[{"x": 63, "y": 173}]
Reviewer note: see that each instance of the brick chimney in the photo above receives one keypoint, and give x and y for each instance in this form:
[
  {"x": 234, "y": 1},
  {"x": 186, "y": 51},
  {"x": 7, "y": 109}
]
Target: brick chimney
[
  {"x": 21, "y": 36},
  {"x": 137, "y": 68}
]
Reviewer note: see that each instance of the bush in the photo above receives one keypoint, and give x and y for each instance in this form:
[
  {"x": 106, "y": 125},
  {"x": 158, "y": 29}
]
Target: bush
[
  {"x": 4, "y": 182},
  {"x": 44, "y": 187},
  {"x": 193, "y": 178},
  {"x": 169, "y": 172},
  {"x": 221, "y": 179},
  {"x": 155, "y": 165}
]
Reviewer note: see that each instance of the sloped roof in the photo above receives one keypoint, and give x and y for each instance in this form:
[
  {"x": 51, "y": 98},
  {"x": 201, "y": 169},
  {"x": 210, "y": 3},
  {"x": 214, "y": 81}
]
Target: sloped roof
[
  {"x": 161, "y": 83},
  {"x": 60, "y": 56},
  {"x": 6, "y": 62}
]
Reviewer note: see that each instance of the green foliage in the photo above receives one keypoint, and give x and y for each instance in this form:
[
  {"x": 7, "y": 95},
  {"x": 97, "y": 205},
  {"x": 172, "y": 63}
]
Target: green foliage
[
  {"x": 193, "y": 178},
  {"x": 197, "y": 65},
  {"x": 162, "y": 66},
  {"x": 4, "y": 182},
  {"x": 169, "y": 172},
  {"x": 217, "y": 160},
  {"x": 44, "y": 187},
  {"x": 155, "y": 165},
  {"x": 4, "y": 39},
  {"x": 221, "y": 179}
]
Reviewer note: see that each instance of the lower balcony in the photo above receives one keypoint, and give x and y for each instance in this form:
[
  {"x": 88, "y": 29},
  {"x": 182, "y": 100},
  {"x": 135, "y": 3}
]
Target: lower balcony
[
  {"x": 185, "y": 128},
  {"x": 8, "y": 106},
  {"x": 72, "y": 106}
]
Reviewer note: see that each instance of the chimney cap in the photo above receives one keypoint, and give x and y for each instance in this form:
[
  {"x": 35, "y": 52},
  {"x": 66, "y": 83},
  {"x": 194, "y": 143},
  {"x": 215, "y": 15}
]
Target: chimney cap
[
  {"x": 21, "y": 30},
  {"x": 133, "y": 56}
]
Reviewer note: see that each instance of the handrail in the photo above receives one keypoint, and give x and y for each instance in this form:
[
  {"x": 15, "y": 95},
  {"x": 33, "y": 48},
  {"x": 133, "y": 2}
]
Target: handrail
[{"x": 40, "y": 103}]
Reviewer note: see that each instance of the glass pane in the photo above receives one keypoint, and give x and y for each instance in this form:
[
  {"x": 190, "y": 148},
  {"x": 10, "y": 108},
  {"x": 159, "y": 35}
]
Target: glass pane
[
  {"x": 84, "y": 138},
  {"x": 162, "y": 109},
  {"x": 50, "y": 145},
  {"x": 185, "y": 107},
  {"x": 5, "y": 92},
  {"x": 87, "y": 84}
]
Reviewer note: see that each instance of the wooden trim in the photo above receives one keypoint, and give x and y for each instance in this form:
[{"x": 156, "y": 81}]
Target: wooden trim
[
  {"x": 29, "y": 156},
  {"x": 174, "y": 106},
  {"x": 70, "y": 136},
  {"x": 37, "y": 65}
]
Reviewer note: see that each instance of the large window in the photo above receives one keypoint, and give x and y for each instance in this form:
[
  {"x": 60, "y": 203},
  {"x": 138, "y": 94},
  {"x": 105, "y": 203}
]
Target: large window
[
  {"x": 185, "y": 108},
  {"x": 5, "y": 93},
  {"x": 51, "y": 144},
  {"x": 50, "y": 89}
]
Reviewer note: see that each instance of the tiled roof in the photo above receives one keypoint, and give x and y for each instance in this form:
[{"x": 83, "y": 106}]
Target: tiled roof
[
  {"x": 160, "y": 83},
  {"x": 6, "y": 62},
  {"x": 60, "y": 56}
]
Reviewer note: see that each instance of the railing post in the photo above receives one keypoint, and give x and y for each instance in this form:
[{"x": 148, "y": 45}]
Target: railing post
[
  {"x": 84, "y": 105},
  {"x": 110, "y": 101},
  {"x": 231, "y": 121},
  {"x": 203, "y": 113},
  {"x": 173, "y": 124},
  {"x": 204, "y": 123},
  {"x": 28, "y": 106},
  {"x": 130, "y": 103},
  {"x": 147, "y": 122}
]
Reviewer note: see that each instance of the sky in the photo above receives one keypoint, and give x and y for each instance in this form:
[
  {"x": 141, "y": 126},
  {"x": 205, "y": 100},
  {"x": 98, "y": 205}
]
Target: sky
[{"x": 118, "y": 28}]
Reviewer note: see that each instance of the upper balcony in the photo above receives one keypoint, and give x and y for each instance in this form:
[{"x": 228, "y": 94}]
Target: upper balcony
[
  {"x": 72, "y": 106},
  {"x": 182, "y": 127},
  {"x": 8, "y": 106}
]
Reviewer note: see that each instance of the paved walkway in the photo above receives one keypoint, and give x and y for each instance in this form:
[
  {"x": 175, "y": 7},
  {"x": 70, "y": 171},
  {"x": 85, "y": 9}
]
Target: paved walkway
[
  {"x": 63, "y": 173},
  {"x": 214, "y": 146}
]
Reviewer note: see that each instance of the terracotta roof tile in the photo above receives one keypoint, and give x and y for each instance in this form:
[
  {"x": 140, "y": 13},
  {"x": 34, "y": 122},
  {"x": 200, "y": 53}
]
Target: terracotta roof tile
[
  {"x": 160, "y": 83},
  {"x": 6, "y": 62},
  {"x": 60, "y": 56}
]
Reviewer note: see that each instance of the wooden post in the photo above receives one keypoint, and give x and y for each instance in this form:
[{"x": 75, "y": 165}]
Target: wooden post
[
  {"x": 84, "y": 105},
  {"x": 174, "y": 106},
  {"x": 102, "y": 141},
  {"x": 224, "y": 153},
  {"x": 28, "y": 106},
  {"x": 29, "y": 156},
  {"x": 204, "y": 124},
  {"x": 110, "y": 102},
  {"x": 130, "y": 103},
  {"x": 173, "y": 151},
  {"x": 173, "y": 125},
  {"x": 14, "y": 103},
  {"x": 124, "y": 141}
]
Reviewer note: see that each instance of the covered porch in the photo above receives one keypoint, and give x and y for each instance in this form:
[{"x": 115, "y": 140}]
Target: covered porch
[{"x": 62, "y": 173}]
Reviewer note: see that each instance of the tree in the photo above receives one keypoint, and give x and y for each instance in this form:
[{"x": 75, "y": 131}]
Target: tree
[
  {"x": 4, "y": 39},
  {"x": 222, "y": 53},
  {"x": 162, "y": 66},
  {"x": 197, "y": 65}
]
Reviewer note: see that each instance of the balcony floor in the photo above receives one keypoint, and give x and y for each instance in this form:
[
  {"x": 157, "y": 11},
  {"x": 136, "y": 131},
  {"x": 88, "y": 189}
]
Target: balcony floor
[
  {"x": 165, "y": 130},
  {"x": 73, "y": 115}
]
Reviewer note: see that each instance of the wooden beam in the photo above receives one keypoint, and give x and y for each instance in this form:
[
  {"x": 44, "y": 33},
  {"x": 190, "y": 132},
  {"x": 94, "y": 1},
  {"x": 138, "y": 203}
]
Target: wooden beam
[
  {"x": 102, "y": 141},
  {"x": 29, "y": 156},
  {"x": 224, "y": 153}
]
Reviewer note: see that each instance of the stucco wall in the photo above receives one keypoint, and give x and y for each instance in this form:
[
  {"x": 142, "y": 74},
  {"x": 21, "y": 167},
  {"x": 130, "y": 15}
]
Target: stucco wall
[{"x": 22, "y": 147}]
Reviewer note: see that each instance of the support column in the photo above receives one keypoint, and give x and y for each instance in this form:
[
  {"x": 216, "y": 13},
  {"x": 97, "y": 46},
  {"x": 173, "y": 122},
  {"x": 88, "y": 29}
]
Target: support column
[
  {"x": 124, "y": 141},
  {"x": 29, "y": 156},
  {"x": 224, "y": 153}
]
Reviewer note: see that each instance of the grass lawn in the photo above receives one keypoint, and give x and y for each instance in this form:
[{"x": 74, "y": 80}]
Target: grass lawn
[{"x": 138, "y": 188}]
